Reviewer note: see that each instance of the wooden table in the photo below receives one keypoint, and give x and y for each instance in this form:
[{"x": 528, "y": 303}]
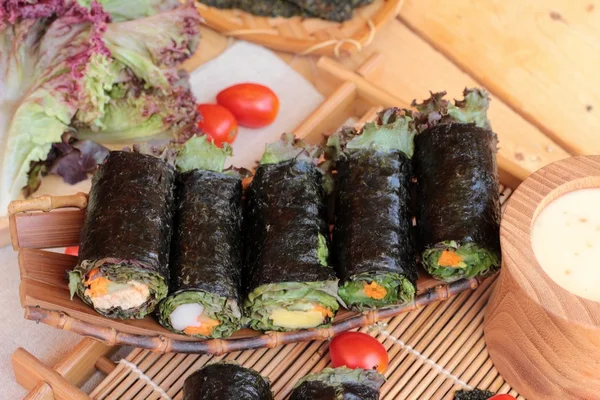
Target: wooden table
[{"x": 538, "y": 59}]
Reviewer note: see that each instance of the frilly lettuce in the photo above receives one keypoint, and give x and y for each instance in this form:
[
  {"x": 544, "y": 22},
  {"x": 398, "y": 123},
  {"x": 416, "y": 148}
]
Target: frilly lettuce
[{"x": 64, "y": 67}]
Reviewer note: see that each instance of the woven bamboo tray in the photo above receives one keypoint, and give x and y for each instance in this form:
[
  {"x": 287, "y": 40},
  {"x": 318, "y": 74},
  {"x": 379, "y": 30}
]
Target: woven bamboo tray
[
  {"x": 304, "y": 35},
  {"x": 356, "y": 97},
  {"x": 433, "y": 352}
]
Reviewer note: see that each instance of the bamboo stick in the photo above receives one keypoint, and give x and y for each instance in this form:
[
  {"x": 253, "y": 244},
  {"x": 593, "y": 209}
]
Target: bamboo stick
[{"x": 163, "y": 344}]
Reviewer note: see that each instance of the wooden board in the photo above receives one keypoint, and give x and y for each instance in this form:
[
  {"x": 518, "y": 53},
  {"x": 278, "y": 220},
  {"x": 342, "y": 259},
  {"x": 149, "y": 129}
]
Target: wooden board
[{"x": 540, "y": 57}]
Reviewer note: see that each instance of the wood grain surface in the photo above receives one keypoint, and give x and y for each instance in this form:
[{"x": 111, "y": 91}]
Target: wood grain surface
[
  {"x": 543, "y": 339},
  {"x": 539, "y": 56}
]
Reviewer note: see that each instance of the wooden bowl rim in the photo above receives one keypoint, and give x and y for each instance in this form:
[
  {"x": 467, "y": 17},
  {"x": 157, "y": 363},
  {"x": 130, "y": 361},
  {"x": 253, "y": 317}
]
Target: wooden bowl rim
[{"x": 542, "y": 187}]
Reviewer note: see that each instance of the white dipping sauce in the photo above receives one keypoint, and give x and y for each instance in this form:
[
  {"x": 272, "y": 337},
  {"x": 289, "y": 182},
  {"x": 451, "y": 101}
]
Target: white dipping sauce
[{"x": 566, "y": 242}]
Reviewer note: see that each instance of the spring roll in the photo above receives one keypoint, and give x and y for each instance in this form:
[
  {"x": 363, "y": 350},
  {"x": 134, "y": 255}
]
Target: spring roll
[
  {"x": 206, "y": 251},
  {"x": 373, "y": 245},
  {"x": 290, "y": 282},
  {"x": 226, "y": 381},
  {"x": 339, "y": 383},
  {"x": 123, "y": 268},
  {"x": 458, "y": 190}
]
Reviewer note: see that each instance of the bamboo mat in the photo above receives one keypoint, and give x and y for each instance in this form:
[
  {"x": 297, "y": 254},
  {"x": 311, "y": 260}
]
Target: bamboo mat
[{"x": 433, "y": 352}]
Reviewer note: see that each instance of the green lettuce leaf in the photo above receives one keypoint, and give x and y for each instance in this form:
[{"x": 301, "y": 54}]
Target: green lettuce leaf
[
  {"x": 199, "y": 153},
  {"x": 394, "y": 129},
  {"x": 476, "y": 261},
  {"x": 293, "y": 296},
  {"x": 225, "y": 310},
  {"x": 399, "y": 290}
]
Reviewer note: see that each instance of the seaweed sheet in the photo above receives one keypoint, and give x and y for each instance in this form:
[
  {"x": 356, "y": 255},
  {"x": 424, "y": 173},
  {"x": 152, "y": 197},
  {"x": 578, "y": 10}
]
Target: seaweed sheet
[
  {"x": 373, "y": 244},
  {"x": 207, "y": 244},
  {"x": 339, "y": 383},
  {"x": 128, "y": 225},
  {"x": 285, "y": 212},
  {"x": 457, "y": 186},
  {"x": 272, "y": 8},
  {"x": 373, "y": 203},
  {"x": 287, "y": 241},
  {"x": 226, "y": 381}
]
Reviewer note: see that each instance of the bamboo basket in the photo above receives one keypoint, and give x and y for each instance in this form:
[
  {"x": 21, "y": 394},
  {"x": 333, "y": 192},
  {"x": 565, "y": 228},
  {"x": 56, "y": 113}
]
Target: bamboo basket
[
  {"x": 304, "y": 35},
  {"x": 54, "y": 222}
]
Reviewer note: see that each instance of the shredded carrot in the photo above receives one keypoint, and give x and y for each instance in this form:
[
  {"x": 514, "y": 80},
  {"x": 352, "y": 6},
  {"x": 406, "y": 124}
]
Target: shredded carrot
[
  {"x": 450, "y": 259},
  {"x": 205, "y": 329},
  {"x": 91, "y": 275},
  {"x": 323, "y": 310},
  {"x": 374, "y": 290},
  {"x": 97, "y": 285}
]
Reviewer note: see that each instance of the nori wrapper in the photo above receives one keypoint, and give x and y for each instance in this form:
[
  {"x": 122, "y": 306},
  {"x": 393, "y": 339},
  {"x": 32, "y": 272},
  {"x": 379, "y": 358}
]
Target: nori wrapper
[
  {"x": 127, "y": 229},
  {"x": 339, "y": 383},
  {"x": 226, "y": 381},
  {"x": 206, "y": 250},
  {"x": 459, "y": 206},
  {"x": 332, "y": 10},
  {"x": 373, "y": 245},
  {"x": 475, "y": 394},
  {"x": 286, "y": 237}
]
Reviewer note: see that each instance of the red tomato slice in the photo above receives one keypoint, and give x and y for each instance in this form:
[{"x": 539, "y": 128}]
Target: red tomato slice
[
  {"x": 358, "y": 350},
  {"x": 253, "y": 105},
  {"x": 72, "y": 250},
  {"x": 502, "y": 397},
  {"x": 218, "y": 123}
]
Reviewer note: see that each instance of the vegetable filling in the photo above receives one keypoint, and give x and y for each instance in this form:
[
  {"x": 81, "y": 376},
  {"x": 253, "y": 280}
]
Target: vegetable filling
[
  {"x": 452, "y": 261},
  {"x": 106, "y": 294},
  {"x": 365, "y": 291},
  {"x": 190, "y": 319},
  {"x": 289, "y": 306},
  {"x": 200, "y": 314}
]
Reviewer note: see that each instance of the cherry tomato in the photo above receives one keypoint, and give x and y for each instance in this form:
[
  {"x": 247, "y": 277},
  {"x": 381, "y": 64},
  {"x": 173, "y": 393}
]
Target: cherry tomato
[
  {"x": 358, "y": 350},
  {"x": 252, "y": 104},
  {"x": 73, "y": 250},
  {"x": 502, "y": 397},
  {"x": 218, "y": 123}
]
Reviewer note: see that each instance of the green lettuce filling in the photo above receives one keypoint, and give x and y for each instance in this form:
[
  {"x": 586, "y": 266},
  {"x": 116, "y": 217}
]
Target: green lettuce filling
[
  {"x": 323, "y": 250},
  {"x": 471, "y": 110},
  {"x": 219, "y": 308},
  {"x": 338, "y": 376},
  {"x": 199, "y": 153},
  {"x": 399, "y": 290},
  {"x": 291, "y": 296},
  {"x": 476, "y": 261},
  {"x": 289, "y": 148},
  {"x": 121, "y": 274},
  {"x": 394, "y": 130}
]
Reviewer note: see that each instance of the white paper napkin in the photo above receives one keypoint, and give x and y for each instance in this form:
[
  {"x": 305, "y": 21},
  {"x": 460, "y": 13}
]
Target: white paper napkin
[{"x": 246, "y": 62}]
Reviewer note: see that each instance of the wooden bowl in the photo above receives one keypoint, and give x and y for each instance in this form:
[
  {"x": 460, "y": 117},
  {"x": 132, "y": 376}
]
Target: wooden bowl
[
  {"x": 544, "y": 340},
  {"x": 304, "y": 35}
]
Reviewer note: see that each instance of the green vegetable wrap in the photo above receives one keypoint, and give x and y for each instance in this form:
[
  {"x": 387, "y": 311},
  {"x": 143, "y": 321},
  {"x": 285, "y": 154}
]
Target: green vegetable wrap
[
  {"x": 226, "y": 381},
  {"x": 289, "y": 282},
  {"x": 373, "y": 246},
  {"x": 123, "y": 258},
  {"x": 458, "y": 190},
  {"x": 339, "y": 384},
  {"x": 206, "y": 251}
]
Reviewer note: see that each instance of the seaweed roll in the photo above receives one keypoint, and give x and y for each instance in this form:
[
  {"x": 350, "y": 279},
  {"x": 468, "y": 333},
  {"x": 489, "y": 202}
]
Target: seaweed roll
[
  {"x": 206, "y": 251},
  {"x": 290, "y": 284},
  {"x": 123, "y": 271},
  {"x": 457, "y": 186},
  {"x": 339, "y": 384}
]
